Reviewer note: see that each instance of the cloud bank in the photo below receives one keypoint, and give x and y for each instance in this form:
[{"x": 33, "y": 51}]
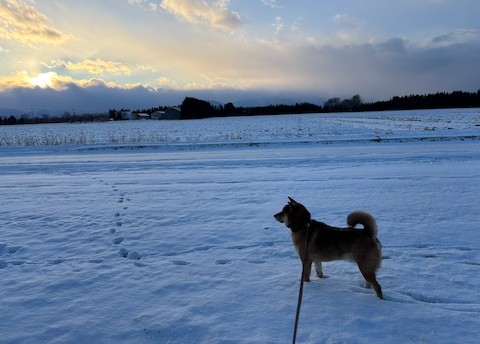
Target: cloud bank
[{"x": 375, "y": 71}]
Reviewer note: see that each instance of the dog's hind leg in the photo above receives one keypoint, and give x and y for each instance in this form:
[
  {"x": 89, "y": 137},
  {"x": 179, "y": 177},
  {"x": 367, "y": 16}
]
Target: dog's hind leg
[
  {"x": 370, "y": 279},
  {"x": 318, "y": 267}
]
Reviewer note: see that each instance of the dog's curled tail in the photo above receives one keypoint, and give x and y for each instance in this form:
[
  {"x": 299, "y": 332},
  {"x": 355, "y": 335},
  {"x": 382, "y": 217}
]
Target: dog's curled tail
[{"x": 366, "y": 220}]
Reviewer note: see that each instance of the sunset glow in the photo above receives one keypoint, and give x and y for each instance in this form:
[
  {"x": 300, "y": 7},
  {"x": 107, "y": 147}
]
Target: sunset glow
[
  {"x": 43, "y": 80},
  {"x": 232, "y": 50}
]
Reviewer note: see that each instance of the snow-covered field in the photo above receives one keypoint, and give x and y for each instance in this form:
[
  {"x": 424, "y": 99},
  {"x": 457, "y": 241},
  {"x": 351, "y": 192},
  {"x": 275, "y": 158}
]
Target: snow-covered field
[{"x": 163, "y": 232}]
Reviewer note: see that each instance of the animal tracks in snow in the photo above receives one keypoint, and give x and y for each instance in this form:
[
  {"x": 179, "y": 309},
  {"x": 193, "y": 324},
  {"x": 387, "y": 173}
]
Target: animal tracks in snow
[
  {"x": 225, "y": 255},
  {"x": 118, "y": 226}
]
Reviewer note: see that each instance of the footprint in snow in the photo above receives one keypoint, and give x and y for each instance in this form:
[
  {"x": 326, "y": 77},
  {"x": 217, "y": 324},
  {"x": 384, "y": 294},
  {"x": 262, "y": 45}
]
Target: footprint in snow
[
  {"x": 123, "y": 252},
  {"x": 134, "y": 255},
  {"x": 117, "y": 240}
]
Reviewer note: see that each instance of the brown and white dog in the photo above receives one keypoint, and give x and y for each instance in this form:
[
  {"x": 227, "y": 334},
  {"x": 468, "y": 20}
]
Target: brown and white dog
[{"x": 326, "y": 243}]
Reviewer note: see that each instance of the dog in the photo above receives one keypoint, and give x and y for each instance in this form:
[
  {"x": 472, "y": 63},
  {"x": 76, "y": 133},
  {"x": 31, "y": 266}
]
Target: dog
[{"x": 327, "y": 243}]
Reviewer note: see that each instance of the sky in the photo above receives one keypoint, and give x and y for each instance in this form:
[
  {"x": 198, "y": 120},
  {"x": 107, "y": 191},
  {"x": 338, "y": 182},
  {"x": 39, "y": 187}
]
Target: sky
[{"x": 93, "y": 55}]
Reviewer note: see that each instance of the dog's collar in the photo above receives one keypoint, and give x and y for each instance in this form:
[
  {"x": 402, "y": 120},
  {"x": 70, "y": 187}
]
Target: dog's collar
[{"x": 304, "y": 228}]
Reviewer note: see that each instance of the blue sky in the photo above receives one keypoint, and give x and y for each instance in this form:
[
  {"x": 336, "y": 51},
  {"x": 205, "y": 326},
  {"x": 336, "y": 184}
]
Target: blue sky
[{"x": 93, "y": 55}]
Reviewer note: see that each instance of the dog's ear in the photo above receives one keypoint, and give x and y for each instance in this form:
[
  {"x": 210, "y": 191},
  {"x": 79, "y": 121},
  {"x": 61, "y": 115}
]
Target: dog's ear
[{"x": 292, "y": 200}]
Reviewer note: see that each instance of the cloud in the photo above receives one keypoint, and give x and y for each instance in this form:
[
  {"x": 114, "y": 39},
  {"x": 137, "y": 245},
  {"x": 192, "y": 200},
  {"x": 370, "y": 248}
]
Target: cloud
[
  {"x": 458, "y": 36},
  {"x": 97, "y": 66},
  {"x": 51, "y": 91},
  {"x": 381, "y": 70},
  {"x": 95, "y": 98},
  {"x": 165, "y": 82},
  {"x": 145, "y": 4},
  {"x": 137, "y": 2},
  {"x": 99, "y": 97},
  {"x": 211, "y": 13},
  {"x": 376, "y": 70},
  {"x": 297, "y": 24},
  {"x": 341, "y": 18},
  {"x": 278, "y": 25},
  {"x": 271, "y": 3},
  {"x": 20, "y": 79},
  {"x": 21, "y": 22}
]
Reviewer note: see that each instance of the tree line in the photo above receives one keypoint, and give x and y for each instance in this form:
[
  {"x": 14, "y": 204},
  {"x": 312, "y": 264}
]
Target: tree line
[
  {"x": 441, "y": 100},
  {"x": 192, "y": 108},
  {"x": 66, "y": 117},
  {"x": 195, "y": 108}
]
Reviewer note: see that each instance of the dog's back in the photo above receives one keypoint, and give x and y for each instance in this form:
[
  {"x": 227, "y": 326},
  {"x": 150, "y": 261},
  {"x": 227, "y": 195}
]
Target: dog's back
[{"x": 329, "y": 243}]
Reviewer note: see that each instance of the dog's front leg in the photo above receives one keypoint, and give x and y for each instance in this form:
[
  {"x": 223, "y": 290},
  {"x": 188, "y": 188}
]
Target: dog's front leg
[
  {"x": 307, "y": 269},
  {"x": 306, "y": 264}
]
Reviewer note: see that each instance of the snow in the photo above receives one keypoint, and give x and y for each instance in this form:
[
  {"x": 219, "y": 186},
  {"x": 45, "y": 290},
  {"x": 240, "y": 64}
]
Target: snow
[{"x": 163, "y": 232}]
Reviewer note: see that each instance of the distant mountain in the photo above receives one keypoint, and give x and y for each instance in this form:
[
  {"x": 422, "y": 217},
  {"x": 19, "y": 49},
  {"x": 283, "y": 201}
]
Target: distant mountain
[
  {"x": 4, "y": 112},
  {"x": 31, "y": 113}
]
